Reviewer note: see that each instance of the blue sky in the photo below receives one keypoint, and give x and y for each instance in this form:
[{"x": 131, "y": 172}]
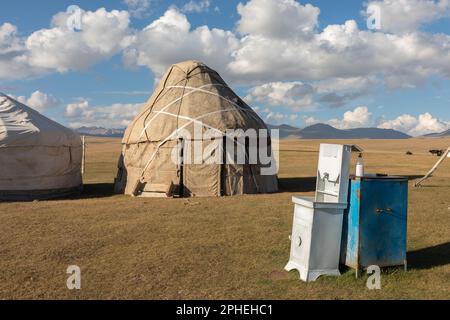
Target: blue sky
[{"x": 295, "y": 62}]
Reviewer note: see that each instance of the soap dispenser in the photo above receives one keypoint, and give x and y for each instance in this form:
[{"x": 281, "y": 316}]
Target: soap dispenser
[{"x": 360, "y": 166}]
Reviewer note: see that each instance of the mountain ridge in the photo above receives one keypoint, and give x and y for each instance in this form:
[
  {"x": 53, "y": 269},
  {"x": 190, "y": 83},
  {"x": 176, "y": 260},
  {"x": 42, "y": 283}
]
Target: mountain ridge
[
  {"x": 100, "y": 132},
  {"x": 325, "y": 131},
  {"x": 316, "y": 131},
  {"x": 438, "y": 134}
]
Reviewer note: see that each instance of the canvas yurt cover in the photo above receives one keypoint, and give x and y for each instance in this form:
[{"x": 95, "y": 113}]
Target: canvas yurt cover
[
  {"x": 188, "y": 96},
  {"x": 39, "y": 158}
]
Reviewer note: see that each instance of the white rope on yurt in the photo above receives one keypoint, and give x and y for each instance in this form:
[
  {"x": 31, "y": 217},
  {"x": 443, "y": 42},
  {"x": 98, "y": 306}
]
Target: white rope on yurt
[
  {"x": 173, "y": 102},
  {"x": 166, "y": 107},
  {"x": 192, "y": 120},
  {"x": 221, "y": 97}
]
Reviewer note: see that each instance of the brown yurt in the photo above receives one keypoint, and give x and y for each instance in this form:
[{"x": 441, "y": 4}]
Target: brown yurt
[{"x": 190, "y": 99}]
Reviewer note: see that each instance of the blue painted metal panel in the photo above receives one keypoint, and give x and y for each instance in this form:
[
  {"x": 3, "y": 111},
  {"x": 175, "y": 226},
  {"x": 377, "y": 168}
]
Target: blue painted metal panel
[
  {"x": 375, "y": 225},
  {"x": 350, "y": 239}
]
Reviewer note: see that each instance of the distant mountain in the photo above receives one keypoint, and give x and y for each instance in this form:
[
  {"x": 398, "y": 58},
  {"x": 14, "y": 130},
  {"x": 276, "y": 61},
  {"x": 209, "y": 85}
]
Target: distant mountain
[
  {"x": 324, "y": 131},
  {"x": 286, "y": 130},
  {"x": 101, "y": 132},
  {"x": 317, "y": 131},
  {"x": 438, "y": 135}
]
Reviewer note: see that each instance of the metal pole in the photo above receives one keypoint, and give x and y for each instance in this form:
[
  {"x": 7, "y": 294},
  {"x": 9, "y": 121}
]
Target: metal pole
[{"x": 430, "y": 173}]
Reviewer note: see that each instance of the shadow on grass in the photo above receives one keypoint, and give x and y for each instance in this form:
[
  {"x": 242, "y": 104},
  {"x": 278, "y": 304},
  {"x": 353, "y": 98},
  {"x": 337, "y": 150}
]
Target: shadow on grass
[
  {"x": 89, "y": 191},
  {"x": 96, "y": 190},
  {"x": 303, "y": 184},
  {"x": 413, "y": 177},
  {"x": 308, "y": 184},
  {"x": 427, "y": 258}
]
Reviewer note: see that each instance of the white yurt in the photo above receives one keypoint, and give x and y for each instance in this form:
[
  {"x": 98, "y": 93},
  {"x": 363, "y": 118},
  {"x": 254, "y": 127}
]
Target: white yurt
[{"x": 39, "y": 158}]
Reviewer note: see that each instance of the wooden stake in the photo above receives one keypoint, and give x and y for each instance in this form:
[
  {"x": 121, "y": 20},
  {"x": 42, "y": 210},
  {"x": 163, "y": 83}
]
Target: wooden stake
[
  {"x": 83, "y": 159},
  {"x": 428, "y": 175}
]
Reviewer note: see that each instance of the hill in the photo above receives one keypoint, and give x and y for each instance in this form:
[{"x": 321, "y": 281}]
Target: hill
[
  {"x": 438, "y": 135},
  {"x": 324, "y": 131},
  {"x": 317, "y": 131},
  {"x": 100, "y": 132}
]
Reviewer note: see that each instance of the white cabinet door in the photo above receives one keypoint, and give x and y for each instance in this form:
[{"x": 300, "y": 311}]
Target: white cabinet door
[{"x": 301, "y": 242}]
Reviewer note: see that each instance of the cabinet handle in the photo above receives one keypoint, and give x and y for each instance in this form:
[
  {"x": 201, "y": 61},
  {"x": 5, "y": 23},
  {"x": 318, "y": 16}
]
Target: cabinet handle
[
  {"x": 299, "y": 241},
  {"x": 388, "y": 210}
]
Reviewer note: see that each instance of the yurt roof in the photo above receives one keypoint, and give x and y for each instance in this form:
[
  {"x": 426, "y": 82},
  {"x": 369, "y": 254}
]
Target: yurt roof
[
  {"x": 190, "y": 93},
  {"x": 22, "y": 126}
]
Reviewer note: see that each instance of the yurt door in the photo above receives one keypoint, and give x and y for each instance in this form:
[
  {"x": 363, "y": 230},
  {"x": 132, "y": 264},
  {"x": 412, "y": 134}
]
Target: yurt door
[{"x": 201, "y": 178}]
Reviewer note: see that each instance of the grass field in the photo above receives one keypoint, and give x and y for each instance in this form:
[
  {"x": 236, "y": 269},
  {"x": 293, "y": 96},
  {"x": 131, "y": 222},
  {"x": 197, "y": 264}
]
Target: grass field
[{"x": 211, "y": 248}]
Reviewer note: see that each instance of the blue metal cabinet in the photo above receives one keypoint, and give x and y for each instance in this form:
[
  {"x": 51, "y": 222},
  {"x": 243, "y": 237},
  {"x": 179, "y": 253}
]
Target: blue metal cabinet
[{"x": 374, "y": 227}]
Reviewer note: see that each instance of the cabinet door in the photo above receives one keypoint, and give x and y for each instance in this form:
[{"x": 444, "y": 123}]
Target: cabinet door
[
  {"x": 301, "y": 242},
  {"x": 383, "y": 222}
]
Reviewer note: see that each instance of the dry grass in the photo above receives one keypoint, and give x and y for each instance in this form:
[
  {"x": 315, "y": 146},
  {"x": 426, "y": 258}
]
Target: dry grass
[{"x": 227, "y": 248}]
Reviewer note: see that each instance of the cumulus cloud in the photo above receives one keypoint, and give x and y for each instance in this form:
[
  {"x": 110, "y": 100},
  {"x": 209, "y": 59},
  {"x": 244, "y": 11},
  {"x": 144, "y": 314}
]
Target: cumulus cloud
[
  {"x": 310, "y": 120},
  {"x": 103, "y": 34},
  {"x": 277, "y": 19},
  {"x": 400, "y": 16},
  {"x": 138, "y": 8},
  {"x": 283, "y": 44},
  {"x": 279, "y": 118},
  {"x": 361, "y": 117},
  {"x": 79, "y": 109},
  {"x": 344, "y": 51},
  {"x": 358, "y": 118},
  {"x": 60, "y": 49},
  {"x": 13, "y": 59},
  {"x": 295, "y": 95},
  {"x": 196, "y": 6},
  {"x": 277, "y": 48},
  {"x": 39, "y": 101},
  {"x": 170, "y": 39},
  {"x": 81, "y": 113},
  {"x": 416, "y": 126},
  {"x": 300, "y": 96}
]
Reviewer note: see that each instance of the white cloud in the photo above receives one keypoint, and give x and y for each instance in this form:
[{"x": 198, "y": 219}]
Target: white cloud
[
  {"x": 170, "y": 39},
  {"x": 59, "y": 49},
  {"x": 280, "y": 118},
  {"x": 281, "y": 45},
  {"x": 295, "y": 95},
  {"x": 196, "y": 6},
  {"x": 362, "y": 117},
  {"x": 103, "y": 34},
  {"x": 400, "y": 16},
  {"x": 343, "y": 51},
  {"x": 310, "y": 120},
  {"x": 351, "y": 84},
  {"x": 78, "y": 109},
  {"x": 415, "y": 126},
  {"x": 39, "y": 101},
  {"x": 13, "y": 61},
  {"x": 138, "y": 8},
  {"x": 80, "y": 113},
  {"x": 277, "y": 19},
  {"x": 358, "y": 118}
]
